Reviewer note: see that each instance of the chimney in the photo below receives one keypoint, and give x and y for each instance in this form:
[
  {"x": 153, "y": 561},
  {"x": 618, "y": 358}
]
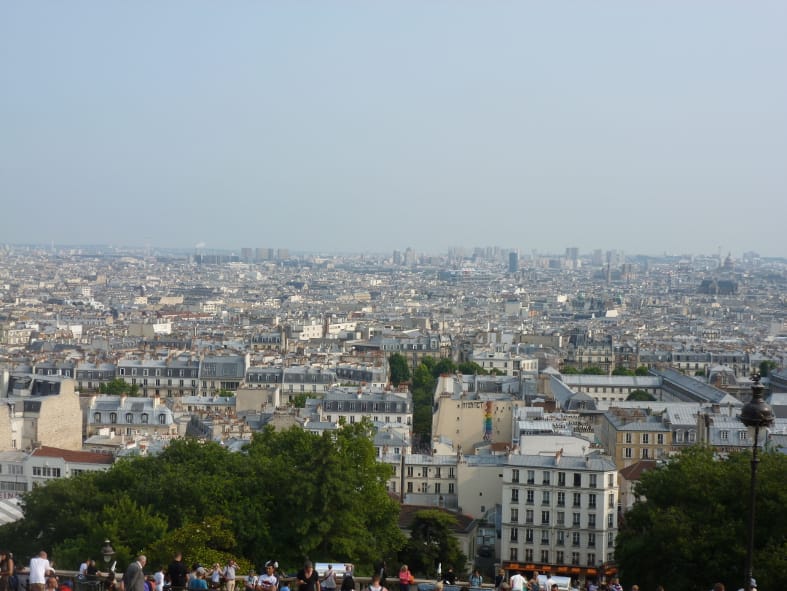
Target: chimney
[{"x": 558, "y": 455}]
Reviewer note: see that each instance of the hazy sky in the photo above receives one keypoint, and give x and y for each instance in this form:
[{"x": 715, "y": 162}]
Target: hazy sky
[{"x": 367, "y": 126}]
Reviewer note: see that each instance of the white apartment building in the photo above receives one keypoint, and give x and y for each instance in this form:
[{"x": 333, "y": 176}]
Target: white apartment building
[{"x": 559, "y": 513}]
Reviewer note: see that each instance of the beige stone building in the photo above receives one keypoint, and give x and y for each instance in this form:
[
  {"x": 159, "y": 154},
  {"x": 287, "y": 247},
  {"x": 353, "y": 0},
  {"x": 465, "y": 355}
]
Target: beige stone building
[{"x": 39, "y": 410}]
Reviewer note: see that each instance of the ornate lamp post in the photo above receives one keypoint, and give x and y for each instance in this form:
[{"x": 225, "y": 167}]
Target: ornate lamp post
[{"x": 755, "y": 413}]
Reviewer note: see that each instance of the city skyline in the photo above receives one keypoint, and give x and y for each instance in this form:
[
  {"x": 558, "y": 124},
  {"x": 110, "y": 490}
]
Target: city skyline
[{"x": 346, "y": 127}]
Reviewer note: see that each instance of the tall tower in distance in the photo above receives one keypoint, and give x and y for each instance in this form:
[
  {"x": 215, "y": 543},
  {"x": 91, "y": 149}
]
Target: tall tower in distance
[{"x": 513, "y": 261}]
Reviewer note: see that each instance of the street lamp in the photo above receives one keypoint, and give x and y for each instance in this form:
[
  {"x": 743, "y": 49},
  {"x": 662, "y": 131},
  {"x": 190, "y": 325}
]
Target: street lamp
[{"x": 755, "y": 413}]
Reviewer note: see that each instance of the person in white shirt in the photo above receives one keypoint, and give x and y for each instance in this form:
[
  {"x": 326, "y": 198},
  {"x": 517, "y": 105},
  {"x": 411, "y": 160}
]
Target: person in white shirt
[
  {"x": 39, "y": 570},
  {"x": 251, "y": 581},
  {"x": 517, "y": 582},
  {"x": 158, "y": 576},
  {"x": 268, "y": 581},
  {"x": 229, "y": 575}
]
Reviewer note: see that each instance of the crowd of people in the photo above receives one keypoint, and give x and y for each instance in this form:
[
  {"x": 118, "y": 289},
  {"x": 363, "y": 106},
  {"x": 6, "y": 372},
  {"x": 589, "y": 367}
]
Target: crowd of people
[{"x": 178, "y": 577}]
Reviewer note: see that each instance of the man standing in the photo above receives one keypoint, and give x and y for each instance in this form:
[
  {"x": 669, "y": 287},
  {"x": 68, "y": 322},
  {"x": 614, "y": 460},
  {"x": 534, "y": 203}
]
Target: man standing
[
  {"x": 517, "y": 582},
  {"x": 229, "y": 575},
  {"x": 177, "y": 572},
  {"x": 134, "y": 578},
  {"x": 39, "y": 570}
]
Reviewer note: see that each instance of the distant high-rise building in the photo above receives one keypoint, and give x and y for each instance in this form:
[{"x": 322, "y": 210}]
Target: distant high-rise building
[
  {"x": 264, "y": 254},
  {"x": 397, "y": 257},
  {"x": 283, "y": 254},
  {"x": 245, "y": 254},
  {"x": 513, "y": 261}
]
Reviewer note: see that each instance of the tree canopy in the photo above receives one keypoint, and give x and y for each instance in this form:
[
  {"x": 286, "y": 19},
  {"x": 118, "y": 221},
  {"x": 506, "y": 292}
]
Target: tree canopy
[
  {"x": 291, "y": 494},
  {"x": 640, "y": 395},
  {"x": 398, "y": 368},
  {"x": 117, "y": 387},
  {"x": 432, "y": 542},
  {"x": 690, "y": 528}
]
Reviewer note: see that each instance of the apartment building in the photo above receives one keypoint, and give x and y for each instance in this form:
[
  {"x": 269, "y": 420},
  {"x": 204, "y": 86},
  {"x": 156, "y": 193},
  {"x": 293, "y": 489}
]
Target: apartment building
[
  {"x": 130, "y": 416},
  {"x": 39, "y": 410},
  {"x": 559, "y": 513},
  {"x": 177, "y": 376}
]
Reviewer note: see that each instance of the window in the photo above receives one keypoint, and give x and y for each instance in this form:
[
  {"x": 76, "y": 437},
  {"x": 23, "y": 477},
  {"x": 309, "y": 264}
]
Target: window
[
  {"x": 113, "y": 417},
  {"x": 129, "y": 417},
  {"x": 561, "y": 499},
  {"x": 530, "y": 497},
  {"x": 628, "y": 437},
  {"x": 531, "y": 476},
  {"x": 409, "y": 470},
  {"x": 514, "y": 475},
  {"x": 559, "y": 558},
  {"x": 592, "y": 521},
  {"x": 560, "y": 538},
  {"x": 514, "y": 495},
  {"x": 561, "y": 518},
  {"x": 528, "y": 554},
  {"x": 544, "y": 555},
  {"x": 437, "y": 484},
  {"x": 575, "y": 517},
  {"x": 627, "y": 452},
  {"x": 97, "y": 417},
  {"x": 513, "y": 554},
  {"x": 529, "y": 535},
  {"x": 591, "y": 540},
  {"x": 575, "y": 538},
  {"x": 545, "y": 477},
  {"x": 660, "y": 438},
  {"x": 561, "y": 479},
  {"x": 591, "y": 559},
  {"x": 678, "y": 436},
  {"x": 577, "y": 500},
  {"x": 514, "y": 534},
  {"x": 409, "y": 487},
  {"x": 610, "y": 540},
  {"x": 611, "y": 503},
  {"x": 544, "y": 537},
  {"x": 577, "y": 479},
  {"x": 544, "y": 517},
  {"x": 644, "y": 452},
  {"x": 450, "y": 488},
  {"x": 514, "y": 515},
  {"x": 692, "y": 436},
  {"x": 592, "y": 501},
  {"x": 575, "y": 558},
  {"x": 144, "y": 418},
  {"x": 162, "y": 419},
  {"x": 743, "y": 435},
  {"x": 611, "y": 520},
  {"x": 529, "y": 516},
  {"x": 424, "y": 487},
  {"x": 645, "y": 438},
  {"x": 610, "y": 479},
  {"x": 593, "y": 480},
  {"x": 545, "y": 497}
]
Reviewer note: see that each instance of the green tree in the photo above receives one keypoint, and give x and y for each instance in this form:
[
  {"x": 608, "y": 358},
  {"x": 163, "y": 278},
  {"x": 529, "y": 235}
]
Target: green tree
[
  {"x": 690, "y": 527},
  {"x": 116, "y": 387},
  {"x": 642, "y": 370},
  {"x": 568, "y": 370},
  {"x": 432, "y": 541},
  {"x": 593, "y": 370},
  {"x": 398, "y": 368},
  {"x": 766, "y": 367},
  {"x": 622, "y": 371},
  {"x": 640, "y": 395},
  {"x": 292, "y": 494},
  {"x": 299, "y": 400},
  {"x": 470, "y": 368},
  {"x": 444, "y": 366}
]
